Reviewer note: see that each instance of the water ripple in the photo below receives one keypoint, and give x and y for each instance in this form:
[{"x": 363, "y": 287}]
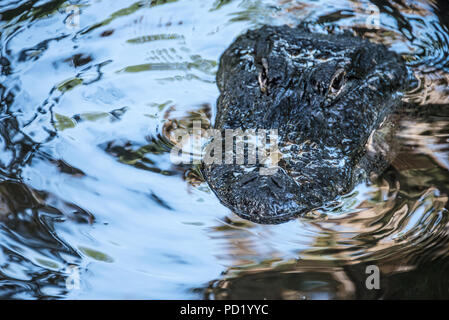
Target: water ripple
[{"x": 86, "y": 181}]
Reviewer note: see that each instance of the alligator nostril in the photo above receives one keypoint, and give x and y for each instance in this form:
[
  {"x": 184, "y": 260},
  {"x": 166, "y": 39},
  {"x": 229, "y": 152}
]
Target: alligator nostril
[
  {"x": 276, "y": 182},
  {"x": 249, "y": 178},
  {"x": 275, "y": 193}
]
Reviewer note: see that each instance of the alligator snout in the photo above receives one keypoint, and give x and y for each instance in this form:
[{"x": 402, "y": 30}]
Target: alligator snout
[{"x": 261, "y": 198}]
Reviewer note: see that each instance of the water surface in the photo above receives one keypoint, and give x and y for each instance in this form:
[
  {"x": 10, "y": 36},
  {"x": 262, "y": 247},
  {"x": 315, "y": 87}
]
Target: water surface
[{"x": 87, "y": 186}]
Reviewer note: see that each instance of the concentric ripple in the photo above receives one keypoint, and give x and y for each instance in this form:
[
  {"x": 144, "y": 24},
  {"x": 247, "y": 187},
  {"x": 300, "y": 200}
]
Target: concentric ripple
[{"x": 87, "y": 187}]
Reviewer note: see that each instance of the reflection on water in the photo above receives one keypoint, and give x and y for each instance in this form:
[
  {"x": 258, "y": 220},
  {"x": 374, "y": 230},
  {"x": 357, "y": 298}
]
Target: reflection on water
[{"x": 86, "y": 180}]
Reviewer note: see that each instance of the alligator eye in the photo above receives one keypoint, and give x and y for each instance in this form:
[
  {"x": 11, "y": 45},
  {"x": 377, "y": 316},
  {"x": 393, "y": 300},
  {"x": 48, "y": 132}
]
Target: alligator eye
[{"x": 337, "y": 82}]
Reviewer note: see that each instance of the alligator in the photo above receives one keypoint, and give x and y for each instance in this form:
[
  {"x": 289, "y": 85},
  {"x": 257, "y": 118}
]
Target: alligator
[{"x": 328, "y": 96}]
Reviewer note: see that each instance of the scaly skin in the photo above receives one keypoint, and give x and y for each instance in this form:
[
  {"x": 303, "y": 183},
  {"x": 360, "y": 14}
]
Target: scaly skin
[{"x": 326, "y": 95}]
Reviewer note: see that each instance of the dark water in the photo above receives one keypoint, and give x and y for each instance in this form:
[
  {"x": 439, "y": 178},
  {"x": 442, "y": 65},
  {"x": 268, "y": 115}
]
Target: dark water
[{"x": 87, "y": 187}]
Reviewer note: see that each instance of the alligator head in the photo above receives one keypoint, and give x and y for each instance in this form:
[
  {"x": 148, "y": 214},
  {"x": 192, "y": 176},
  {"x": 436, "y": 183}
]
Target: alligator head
[{"x": 325, "y": 94}]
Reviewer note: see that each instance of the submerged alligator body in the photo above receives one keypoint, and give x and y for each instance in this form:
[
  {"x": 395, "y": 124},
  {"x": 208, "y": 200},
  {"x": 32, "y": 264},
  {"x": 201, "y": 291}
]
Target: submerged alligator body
[{"x": 327, "y": 95}]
